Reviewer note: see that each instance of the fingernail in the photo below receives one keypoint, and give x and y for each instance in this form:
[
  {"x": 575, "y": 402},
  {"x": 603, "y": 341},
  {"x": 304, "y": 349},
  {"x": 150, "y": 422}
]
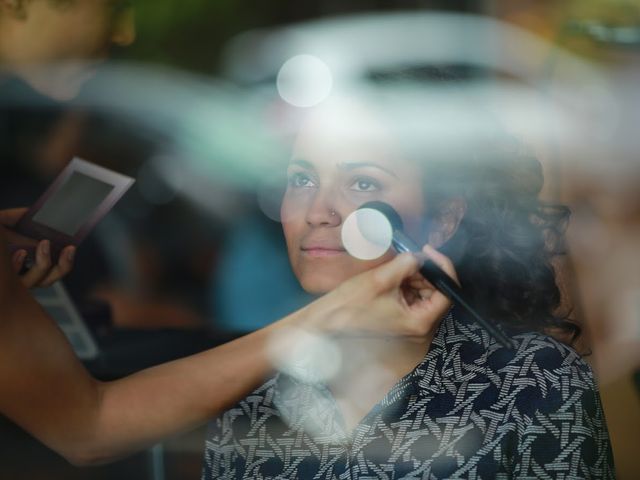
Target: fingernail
[
  {"x": 45, "y": 247},
  {"x": 71, "y": 254}
]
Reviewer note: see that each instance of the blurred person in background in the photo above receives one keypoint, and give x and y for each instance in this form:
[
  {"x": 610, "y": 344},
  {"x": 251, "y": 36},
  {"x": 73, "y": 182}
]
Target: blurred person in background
[
  {"x": 48, "y": 50},
  {"x": 55, "y": 45},
  {"x": 458, "y": 404}
]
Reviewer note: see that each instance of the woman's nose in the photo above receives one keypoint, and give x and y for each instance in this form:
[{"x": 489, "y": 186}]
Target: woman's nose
[{"x": 324, "y": 211}]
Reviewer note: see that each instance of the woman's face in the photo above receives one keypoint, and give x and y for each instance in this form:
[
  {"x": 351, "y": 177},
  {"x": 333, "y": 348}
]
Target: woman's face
[
  {"x": 329, "y": 177},
  {"x": 79, "y": 30},
  {"x": 57, "y": 47}
]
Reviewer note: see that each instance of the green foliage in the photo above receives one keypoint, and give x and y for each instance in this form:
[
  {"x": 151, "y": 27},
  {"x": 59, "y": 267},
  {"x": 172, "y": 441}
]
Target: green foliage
[{"x": 184, "y": 33}]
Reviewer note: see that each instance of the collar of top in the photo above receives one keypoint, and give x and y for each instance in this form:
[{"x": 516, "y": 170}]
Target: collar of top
[{"x": 458, "y": 353}]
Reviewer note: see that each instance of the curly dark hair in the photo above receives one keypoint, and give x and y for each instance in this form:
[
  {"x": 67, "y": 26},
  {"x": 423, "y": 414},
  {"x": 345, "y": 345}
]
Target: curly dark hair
[{"x": 504, "y": 246}]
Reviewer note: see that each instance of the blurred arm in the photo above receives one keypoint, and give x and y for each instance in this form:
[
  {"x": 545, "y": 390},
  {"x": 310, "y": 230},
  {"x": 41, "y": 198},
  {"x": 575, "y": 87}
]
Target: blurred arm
[{"x": 45, "y": 389}]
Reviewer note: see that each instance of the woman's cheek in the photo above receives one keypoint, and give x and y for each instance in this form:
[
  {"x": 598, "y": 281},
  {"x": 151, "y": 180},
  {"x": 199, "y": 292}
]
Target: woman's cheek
[{"x": 294, "y": 207}]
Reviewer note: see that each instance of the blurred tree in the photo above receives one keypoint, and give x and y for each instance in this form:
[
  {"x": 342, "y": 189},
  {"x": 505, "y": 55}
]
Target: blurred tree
[{"x": 191, "y": 33}]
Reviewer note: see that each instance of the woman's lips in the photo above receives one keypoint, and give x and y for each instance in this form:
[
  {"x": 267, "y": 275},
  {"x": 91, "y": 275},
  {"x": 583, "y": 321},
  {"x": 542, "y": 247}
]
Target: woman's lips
[{"x": 322, "y": 251}]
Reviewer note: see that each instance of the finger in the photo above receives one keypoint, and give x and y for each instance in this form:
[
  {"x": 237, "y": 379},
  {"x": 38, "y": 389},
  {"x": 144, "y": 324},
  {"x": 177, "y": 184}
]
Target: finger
[
  {"x": 441, "y": 261},
  {"x": 62, "y": 268},
  {"x": 426, "y": 293},
  {"x": 419, "y": 282},
  {"x": 423, "y": 287},
  {"x": 423, "y": 290},
  {"x": 16, "y": 239},
  {"x": 391, "y": 274},
  {"x": 410, "y": 296},
  {"x": 433, "y": 303},
  {"x": 11, "y": 216},
  {"x": 41, "y": 267},
  {"x": 415, "y": 278},
  {"x": 426, "y": 312},
  {"x": 17, "y": 260}
]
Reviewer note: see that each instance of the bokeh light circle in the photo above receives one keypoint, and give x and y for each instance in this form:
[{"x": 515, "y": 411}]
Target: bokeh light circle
[
  {"x": 305, "y": 356},
  {"x": 367, "y": 234},
  {"x": 304, "y": 81}
]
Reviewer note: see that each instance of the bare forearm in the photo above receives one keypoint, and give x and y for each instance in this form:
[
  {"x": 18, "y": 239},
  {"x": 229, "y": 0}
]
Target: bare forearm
[
  {"x": 46, "y": 390},
  {"x": 142, "y": 409},
  {"x": 44, "y": 387},
  {"x": 139, "y": 410}
]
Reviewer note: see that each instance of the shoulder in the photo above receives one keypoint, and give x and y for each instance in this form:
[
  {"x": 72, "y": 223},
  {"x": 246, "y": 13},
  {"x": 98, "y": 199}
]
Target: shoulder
[
  {"x": 543, "y": 375},
  {"x": 553, "y": 399},
  {"x": 535, "y": 349}
]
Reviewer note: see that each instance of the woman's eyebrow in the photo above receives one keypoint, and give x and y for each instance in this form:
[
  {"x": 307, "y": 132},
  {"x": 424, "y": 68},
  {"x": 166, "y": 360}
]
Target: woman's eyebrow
[
  {"x": 354, "y": 165},
  {"x": 302, "y": 163}
]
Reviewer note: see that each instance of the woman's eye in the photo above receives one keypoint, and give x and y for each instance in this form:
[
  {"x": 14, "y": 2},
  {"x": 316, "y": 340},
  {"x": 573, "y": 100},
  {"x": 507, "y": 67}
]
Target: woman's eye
[
  {"x": 300, "y": 180},
  {"x": 365, "y": 185}
]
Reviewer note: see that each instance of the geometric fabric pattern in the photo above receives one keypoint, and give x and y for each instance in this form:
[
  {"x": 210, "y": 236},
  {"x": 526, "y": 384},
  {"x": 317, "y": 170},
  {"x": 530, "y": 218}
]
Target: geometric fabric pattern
[{"x": 471, "y": 409}]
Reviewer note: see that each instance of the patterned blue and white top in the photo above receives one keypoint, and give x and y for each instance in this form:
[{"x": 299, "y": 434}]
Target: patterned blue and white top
[{"x": 470, "y": 409}]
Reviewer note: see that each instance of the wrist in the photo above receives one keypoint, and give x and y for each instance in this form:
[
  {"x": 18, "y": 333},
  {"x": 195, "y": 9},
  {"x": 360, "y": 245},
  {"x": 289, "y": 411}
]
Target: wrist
[{"x": 324, "y": 316}]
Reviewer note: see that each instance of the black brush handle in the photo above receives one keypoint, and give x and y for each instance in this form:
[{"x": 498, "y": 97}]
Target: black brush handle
[
  {"x": 447, "y": 285},
  {"x": 443, "y": 282}
]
